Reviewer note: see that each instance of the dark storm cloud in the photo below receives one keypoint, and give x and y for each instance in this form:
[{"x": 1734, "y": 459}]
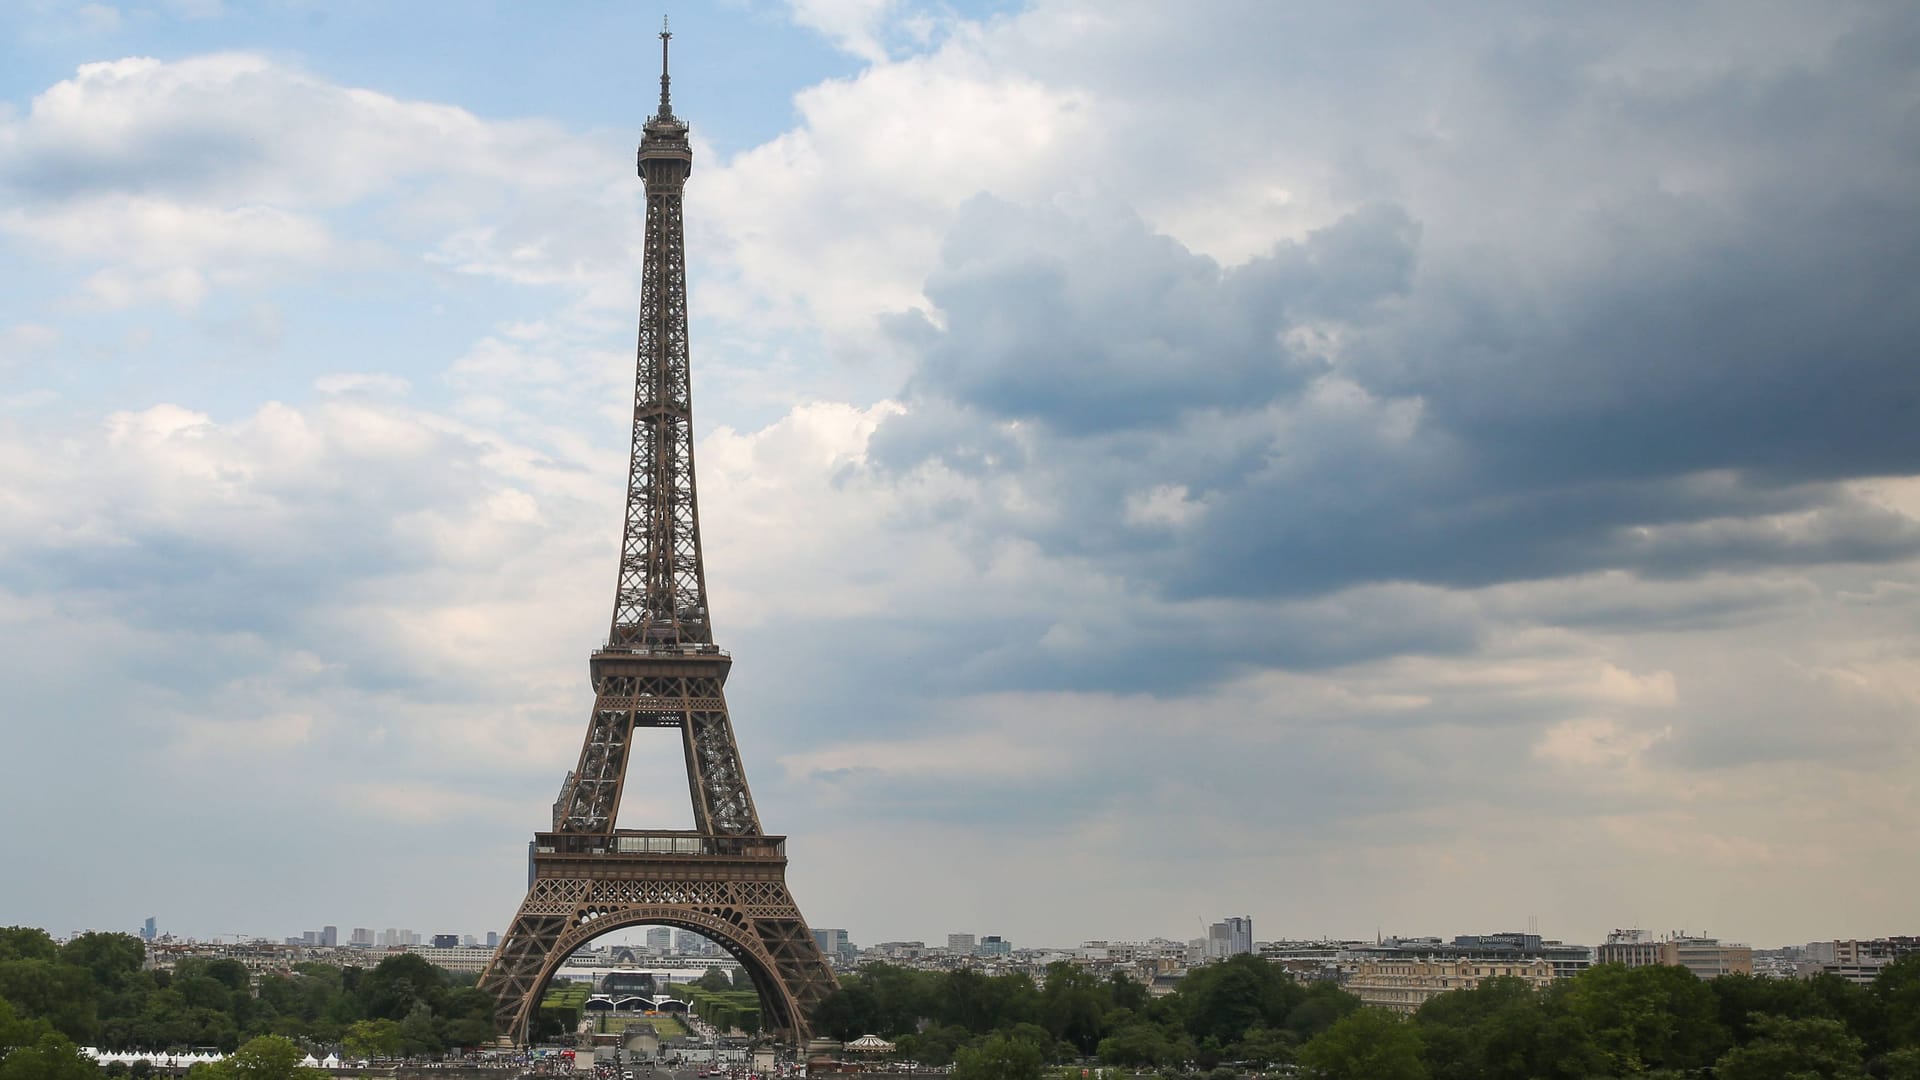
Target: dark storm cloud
[
  {"x": 1102, "y": 326},
  {"x": 1660, "y": 349}
]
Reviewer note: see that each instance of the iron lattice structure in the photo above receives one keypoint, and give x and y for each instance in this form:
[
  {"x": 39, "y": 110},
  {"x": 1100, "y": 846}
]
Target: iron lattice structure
[{"x": 725, "y": 878}]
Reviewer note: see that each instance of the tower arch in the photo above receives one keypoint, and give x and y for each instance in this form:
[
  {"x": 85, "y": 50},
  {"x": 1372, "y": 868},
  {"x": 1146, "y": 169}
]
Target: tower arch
[{"x": 778, "y": 1007}]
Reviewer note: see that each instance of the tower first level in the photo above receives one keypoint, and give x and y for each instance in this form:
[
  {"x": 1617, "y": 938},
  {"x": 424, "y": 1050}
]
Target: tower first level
[{"x": 733, "y": 890}]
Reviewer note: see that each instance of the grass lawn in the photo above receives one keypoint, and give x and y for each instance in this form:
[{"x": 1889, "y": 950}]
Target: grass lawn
[{"x": 667, "y": 1027}]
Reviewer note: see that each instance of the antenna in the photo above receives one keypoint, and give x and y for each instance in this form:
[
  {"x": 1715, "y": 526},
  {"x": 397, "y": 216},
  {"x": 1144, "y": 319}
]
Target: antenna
[{"x": 666, "y": 35}]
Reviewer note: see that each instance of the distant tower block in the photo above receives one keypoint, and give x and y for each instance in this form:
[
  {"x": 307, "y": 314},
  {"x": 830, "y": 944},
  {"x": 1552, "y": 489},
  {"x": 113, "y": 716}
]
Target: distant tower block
[{"x": 724, "y": 879}]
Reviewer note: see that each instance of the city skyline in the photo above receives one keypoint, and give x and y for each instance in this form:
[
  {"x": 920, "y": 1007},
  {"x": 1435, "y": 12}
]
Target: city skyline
[
  {"x": 1357, "y": 470},
  {"x": 649, "y": 936}
]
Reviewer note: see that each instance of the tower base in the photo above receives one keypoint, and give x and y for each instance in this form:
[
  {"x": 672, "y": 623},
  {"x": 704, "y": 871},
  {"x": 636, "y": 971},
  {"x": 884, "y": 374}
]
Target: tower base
[{"x": 731, "y": 889}]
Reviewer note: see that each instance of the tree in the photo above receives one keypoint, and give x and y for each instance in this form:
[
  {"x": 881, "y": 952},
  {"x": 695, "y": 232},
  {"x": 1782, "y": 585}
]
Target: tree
[
  {"x": 1266, "y": 1046},
  {"x": 373, "y": 1039},
  {"x": 1369, "y": 1044},
  {"x": 1221, "y": 1001},
  {"x": 934, "y": 1046},
  {"x": 904, "y": 997},
  {"x": 714, "y": 979},
  {"x": 1072, "y": 1004},
  {"x": 999, "y": 1058},
  {"x": 17, "y": 1031},
  {"x": 1323, "y": 1004},
  {"x": 27, "y": 943},
  {"x": 1786, "y": 1049},
  {"x": 398, "y": 984},
  {"x": 112, "y": 959},
  {"x": 1897, "y": 989},
  {"x": 419, "y": 1036},
  {"x": 1125, "y": 993},
  {"x": 62, "y": 995},
  {"x": 1899, "y": 1065},
  {"x": 50, "y": 1057},
  {"x": 268, "y": 1057},
  {"x": 848, "y": 1013},
  {"x": 1646, "y": 1018},
  {"x": 1140, "y": 1043}
]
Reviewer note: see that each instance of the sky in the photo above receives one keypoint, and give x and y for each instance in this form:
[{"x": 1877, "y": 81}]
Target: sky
[{"x": 1405, "y": 468}]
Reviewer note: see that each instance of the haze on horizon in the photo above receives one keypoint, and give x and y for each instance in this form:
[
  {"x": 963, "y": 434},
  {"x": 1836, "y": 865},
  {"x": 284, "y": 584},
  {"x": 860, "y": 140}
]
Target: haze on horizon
[{"x": 1394, "y": 468}]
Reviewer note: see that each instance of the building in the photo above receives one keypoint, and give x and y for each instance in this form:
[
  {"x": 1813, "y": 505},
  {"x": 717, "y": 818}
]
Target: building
[
  {"x": 1230, "y": 937},
  {"x": 493, "y": 939},
  {"x": 834, "y": 945},
  {"x": 1404, "y": 983},
  {"x": 445, "y": 941},
  {"x": 361, "y": 938},
  {"x": 1633, "y": 948},
  {"x": 149, "y": 930},
  {"x": 455, "y": 958},
  {"x": 1311, "y": 960},
  {"x": 1857, "y": 961},
  {"x": 1705, "y": 957},
  {"x": 1567, "y": 960},
  {"x": 994, "y": 945},
  {"x": 659, "y": 940},
  {"x": 960, "y": 944},
  {"x": 1883, "y": 950},
  {"x": 330, "y": 937}
]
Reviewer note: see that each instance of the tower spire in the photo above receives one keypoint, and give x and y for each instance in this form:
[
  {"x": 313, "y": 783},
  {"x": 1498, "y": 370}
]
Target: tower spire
[{"x": 666, "y": 35}]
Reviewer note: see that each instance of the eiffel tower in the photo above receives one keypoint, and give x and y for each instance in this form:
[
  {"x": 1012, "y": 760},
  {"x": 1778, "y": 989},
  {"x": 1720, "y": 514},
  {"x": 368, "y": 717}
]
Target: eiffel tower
[{"x": 725, "y": 878}]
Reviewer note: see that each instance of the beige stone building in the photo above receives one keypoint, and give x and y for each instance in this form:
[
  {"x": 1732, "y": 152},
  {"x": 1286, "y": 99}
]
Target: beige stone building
[
  {"x": 1707, "y": 958},
  {"x": 1403, "y": 985}
]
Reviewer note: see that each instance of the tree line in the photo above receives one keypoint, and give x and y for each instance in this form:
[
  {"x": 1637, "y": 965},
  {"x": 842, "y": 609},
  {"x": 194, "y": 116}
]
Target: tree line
[
  {"x": 1246, "y": 1014},
  {"x": 94, "y": 991}
]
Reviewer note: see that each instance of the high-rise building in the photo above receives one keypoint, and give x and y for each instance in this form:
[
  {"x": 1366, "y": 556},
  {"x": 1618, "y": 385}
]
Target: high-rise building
[
  {"x": 834, "y": 944},
  {"x": 149, "y": 930},
  {"x": 446, "y": 941},
  {"x": 493, "y": 939},
  {"x": 688, "y": 943},
  {"x": 960, "y": 943},
  {"x": 659, "y": 940},
  {"x": 1230, "y": 937},
  {"x": 330, "y": 936},
  {"x": 362, "y": 938},
  {"x": 994, "y": 945}
]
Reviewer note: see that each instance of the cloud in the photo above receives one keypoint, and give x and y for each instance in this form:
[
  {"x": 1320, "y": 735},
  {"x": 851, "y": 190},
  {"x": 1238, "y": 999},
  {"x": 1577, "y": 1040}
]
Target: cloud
[
  {"x": 1385, "y": 467},
  {"x": 852, "y": 25},
  {"x": 232, "y": 170}
]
